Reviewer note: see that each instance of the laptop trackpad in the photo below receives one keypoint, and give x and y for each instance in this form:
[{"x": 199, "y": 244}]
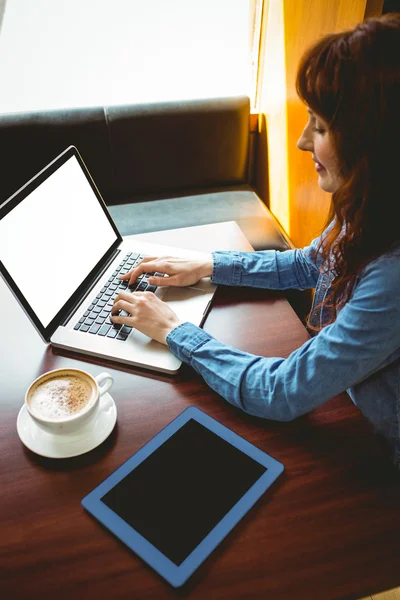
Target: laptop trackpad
[{"x": 187, "y": 302}]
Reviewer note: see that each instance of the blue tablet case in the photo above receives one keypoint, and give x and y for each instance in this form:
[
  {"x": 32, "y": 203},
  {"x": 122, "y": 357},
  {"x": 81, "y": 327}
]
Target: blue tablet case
[{"x": 178, "y": 496}]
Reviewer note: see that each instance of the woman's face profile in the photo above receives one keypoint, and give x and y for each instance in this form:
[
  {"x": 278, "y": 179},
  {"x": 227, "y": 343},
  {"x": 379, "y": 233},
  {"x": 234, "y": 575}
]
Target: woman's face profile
[{"x": 316, "y": 139}]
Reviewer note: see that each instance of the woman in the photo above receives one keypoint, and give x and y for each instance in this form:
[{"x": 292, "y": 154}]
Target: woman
[{"x": 350, "y": 83}]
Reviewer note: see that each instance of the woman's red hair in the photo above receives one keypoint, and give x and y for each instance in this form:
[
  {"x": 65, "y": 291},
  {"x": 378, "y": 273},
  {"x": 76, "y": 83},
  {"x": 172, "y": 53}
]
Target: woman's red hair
[{"x": 352, "y": 80}]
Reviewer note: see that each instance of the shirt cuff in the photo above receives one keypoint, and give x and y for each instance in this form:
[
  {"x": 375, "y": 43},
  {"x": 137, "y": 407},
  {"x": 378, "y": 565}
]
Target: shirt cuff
[
  {"x": 227, "y": 268},
  {"x": 185, "y": 339}
]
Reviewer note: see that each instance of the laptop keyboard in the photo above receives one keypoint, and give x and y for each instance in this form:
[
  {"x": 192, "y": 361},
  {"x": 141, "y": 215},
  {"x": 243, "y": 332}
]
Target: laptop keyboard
[{"x": 96, "y": 319}]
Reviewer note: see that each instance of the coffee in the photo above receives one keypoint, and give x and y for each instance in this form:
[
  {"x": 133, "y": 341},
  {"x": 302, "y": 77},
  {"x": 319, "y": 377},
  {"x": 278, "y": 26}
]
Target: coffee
[{"x": 61, "y": 396}]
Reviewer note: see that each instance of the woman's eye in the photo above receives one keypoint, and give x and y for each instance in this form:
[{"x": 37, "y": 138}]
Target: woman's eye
[{"x": 318, "y": 130}]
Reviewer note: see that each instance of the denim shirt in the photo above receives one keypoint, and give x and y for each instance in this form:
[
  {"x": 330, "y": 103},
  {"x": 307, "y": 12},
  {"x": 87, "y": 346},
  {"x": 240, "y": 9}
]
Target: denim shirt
[{"x": 359, "y": 352}]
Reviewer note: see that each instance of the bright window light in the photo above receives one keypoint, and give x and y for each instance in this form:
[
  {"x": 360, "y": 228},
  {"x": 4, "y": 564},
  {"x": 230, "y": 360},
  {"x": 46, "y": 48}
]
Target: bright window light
[{"x": 75, "y": 53}]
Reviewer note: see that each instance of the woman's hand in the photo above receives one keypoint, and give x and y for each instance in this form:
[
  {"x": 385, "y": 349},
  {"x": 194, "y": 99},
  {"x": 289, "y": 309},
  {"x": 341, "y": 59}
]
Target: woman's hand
[
  {"x": 148, "y": 314},
  {"x": 180, "y": 271}
]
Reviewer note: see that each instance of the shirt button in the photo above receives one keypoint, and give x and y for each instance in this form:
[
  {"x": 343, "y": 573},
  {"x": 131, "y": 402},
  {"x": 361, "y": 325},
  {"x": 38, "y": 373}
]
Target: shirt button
[{"x": 323, "y": 286}]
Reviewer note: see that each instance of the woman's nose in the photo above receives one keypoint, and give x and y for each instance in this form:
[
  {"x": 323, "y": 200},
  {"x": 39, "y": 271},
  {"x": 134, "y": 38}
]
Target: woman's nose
[{"x": 305, "y": 142}]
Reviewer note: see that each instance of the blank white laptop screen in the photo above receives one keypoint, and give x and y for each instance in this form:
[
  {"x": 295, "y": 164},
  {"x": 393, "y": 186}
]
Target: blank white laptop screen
[{"x": 51, "y": 241}]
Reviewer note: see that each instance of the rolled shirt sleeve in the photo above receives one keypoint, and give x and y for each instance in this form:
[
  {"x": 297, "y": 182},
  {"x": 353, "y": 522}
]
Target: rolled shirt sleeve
[
  {"x": 362, "y": 340},
  {"x": 297, "y": 269}
]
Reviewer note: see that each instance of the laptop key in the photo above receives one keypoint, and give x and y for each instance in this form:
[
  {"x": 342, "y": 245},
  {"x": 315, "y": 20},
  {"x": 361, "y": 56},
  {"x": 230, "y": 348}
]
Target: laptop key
[
  {"x": 151, "y": 288},
  {"x": 112, "y": 333},
  {"x": 126, "y": 329},
  {"x": 104, "y": 329},
  {"x": 77, "y": 325},
  {"x": 142, "y": 286},
  {"x": 94, "y": 328},
  {"x": 122, "y": 336},
  {"x": 89, "y": 321},
  {"x": 84, "y": 328}
]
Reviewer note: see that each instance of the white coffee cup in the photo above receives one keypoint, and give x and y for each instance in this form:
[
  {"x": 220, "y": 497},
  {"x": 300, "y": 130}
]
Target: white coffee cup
[{"x": 63, "y": 400}]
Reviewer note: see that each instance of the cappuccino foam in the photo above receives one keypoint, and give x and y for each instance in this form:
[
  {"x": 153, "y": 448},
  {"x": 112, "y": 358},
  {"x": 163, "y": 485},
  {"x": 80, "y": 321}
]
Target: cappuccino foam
[{"x": 60, "y": 397}]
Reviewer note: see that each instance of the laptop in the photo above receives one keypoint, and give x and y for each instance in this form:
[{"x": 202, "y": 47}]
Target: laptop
[{"x": 61, "y": 255}]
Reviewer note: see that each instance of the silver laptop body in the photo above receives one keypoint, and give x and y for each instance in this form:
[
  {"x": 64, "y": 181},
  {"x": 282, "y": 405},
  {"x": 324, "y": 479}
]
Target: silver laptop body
[{"x": 59, "y": 249}]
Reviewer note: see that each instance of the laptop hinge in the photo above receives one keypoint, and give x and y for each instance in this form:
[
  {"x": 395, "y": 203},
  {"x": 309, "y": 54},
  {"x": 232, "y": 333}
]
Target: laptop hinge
[{"x": 88, "y": 290}]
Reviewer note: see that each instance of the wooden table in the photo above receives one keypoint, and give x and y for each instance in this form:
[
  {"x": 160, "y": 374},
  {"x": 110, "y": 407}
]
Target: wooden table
[{"x": 329, "y": 528}]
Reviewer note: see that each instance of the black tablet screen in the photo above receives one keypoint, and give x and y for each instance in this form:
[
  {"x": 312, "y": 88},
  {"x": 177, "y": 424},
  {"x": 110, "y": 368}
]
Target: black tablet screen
[{"x": 177, "y": 495}]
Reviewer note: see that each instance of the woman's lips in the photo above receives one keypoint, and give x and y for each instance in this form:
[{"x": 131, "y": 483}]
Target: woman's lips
[{"x": 319, "y": 168}]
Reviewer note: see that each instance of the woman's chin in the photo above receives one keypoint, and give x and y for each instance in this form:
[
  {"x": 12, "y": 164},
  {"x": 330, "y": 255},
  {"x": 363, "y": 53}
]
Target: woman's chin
[{"x": 325, "y": 185}]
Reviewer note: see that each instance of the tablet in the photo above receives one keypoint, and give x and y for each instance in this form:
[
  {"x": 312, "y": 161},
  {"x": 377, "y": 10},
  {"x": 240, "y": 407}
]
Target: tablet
[{"x": 177, "y": 497}]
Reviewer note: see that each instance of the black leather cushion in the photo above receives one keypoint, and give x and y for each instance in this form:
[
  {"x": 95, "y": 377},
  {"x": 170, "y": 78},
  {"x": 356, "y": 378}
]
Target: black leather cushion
[
  {"x": 29, "y": 141},
  {"x": 133, "y": 150},
  {"x": 240, "y": 205},
  {"x": 177, "y": 145}
]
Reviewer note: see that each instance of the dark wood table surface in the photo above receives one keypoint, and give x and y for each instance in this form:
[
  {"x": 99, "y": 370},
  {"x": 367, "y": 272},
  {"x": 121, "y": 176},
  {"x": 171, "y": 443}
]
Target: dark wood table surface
[{"x": 328, "y": 528}]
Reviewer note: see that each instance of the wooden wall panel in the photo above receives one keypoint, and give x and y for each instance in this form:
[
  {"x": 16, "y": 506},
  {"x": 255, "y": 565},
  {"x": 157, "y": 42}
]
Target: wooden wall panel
[
  {"x": 289, "y": 27},
  {"x": 271, "y": 169}
]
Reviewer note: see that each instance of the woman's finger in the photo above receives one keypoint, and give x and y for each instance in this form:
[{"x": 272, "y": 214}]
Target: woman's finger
[
  {"x": 143, "y": 267},
  {"x": 146, "y": 259},
  {"x": 163, "y": 280},
  {"x": 117, "y": 319},
  {"x": 124, "y": 296},
  {"x": 122, "y": 305}
]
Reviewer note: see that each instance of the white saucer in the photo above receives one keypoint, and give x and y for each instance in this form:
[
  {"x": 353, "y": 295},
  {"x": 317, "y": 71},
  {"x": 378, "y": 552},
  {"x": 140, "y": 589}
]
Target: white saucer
[{"x": 58, "y": 445}]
